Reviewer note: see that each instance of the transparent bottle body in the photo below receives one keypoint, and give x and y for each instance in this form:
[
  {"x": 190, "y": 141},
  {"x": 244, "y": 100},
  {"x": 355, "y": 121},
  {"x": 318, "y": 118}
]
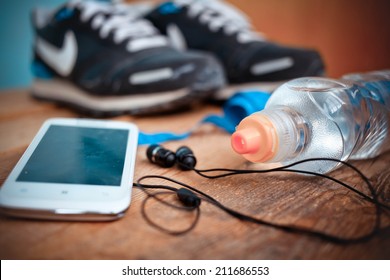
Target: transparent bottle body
[{"x": 344, "y": 119}]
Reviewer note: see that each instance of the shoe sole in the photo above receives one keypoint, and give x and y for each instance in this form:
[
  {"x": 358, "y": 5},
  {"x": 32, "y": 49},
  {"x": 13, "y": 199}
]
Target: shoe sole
[
  {"x": 229, "y": 91},
  {"x": 63, "y": 92}
]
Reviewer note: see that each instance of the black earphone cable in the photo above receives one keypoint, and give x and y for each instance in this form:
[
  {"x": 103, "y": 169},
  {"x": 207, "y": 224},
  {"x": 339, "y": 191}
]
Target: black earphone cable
[
  {"x": 374, "y": 199},
  {"x": 230, "y": 172},
  {"x": 225, "y": 172},
  {"x": 155, "y": 196},
  {"x": 244, "y": 217}
]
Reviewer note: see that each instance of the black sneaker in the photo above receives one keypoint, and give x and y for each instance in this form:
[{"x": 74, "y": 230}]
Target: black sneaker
[
  {"x": 99, "y": 59},
  {"x": 216, "y": 27}
]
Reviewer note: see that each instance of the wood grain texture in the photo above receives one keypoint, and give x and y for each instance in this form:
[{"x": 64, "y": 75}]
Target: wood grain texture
[{"x": 282, "y": 198}]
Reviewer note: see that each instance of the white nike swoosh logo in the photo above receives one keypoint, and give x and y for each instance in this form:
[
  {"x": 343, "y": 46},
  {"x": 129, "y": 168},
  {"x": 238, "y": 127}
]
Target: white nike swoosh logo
[
  {"x": 61, "y": 59},
  {"x": 273, "y": 65},
  {"x": 176, "y": 37}
]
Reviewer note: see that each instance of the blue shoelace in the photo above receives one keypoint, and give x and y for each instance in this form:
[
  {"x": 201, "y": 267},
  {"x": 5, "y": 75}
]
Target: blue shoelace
[{"x": 239, "y": 106}]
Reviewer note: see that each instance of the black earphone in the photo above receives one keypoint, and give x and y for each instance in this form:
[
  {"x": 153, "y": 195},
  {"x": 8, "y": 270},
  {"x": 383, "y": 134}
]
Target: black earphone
[
  {"x": 191, "y": 198},
  {"x": 161, "y": 156},
  {"x": 184, "y": 157}
]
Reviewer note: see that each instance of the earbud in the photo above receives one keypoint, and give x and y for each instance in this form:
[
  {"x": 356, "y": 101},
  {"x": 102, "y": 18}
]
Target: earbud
[
  {"x": 188, "y": 198},
  {"x": 161, "y": 156},
  {"x": 185, "y": 158}
]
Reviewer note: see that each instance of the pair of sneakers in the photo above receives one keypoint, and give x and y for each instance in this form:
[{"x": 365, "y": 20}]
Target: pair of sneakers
[{"x": 109, "y": 59}]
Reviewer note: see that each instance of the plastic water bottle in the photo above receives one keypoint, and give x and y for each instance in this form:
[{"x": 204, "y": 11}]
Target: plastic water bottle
[{"x": 319, "y": 118}]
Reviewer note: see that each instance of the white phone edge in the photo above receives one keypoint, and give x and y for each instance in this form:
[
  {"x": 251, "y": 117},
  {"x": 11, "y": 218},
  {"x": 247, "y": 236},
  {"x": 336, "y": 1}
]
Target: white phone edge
[{"x": 15, "y": 208}]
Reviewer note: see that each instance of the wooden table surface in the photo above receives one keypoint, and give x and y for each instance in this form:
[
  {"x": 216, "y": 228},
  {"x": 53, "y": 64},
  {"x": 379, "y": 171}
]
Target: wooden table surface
[{"x": 282, "y": 198}]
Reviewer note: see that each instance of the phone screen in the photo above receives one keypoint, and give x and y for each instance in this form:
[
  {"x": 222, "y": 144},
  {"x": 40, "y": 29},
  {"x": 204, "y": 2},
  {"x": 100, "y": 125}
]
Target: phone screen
[{"x": 78, "y": 155}]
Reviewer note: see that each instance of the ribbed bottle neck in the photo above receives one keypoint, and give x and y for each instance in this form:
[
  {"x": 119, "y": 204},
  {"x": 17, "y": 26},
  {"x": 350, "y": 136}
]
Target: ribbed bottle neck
[
  {"x": 272, "y": 135},
  {"x": 291, "y": 130}
]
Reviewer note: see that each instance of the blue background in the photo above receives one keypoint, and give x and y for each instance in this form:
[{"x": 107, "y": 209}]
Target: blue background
[{"x": 16, "y": 35}]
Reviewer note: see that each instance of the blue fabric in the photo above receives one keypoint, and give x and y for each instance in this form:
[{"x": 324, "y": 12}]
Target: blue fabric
[
  {"x": 40, "y": 70},
  {"x": 239, "y": 106},
  {"x": 64, "y": 13},
  {"x": 168, "y": 8}
]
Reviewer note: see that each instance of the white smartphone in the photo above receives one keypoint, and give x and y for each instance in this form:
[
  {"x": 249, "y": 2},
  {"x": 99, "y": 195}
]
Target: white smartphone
[{"x": 74, "y": 169}]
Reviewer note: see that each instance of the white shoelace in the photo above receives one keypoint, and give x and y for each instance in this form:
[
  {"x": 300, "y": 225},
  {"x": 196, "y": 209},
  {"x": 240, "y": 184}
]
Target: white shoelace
[
  {"x": 218, "y": 14},
  {"x": 123, "y": 24}
]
